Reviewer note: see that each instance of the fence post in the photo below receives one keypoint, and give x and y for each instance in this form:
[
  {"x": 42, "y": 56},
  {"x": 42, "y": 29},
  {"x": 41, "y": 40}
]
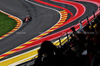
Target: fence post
[
  {"x": 67, "y": 37},
  {"x": 66, "y": 34},
  {"x": 60, "y": 42},
  {"x": 94, "y": 14},
  {"x": 80, "y": 22},
  {"x": 87, "y": 20}
]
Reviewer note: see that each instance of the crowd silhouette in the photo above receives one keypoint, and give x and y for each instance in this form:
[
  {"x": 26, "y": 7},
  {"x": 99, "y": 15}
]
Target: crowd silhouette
[{"x": 83, "y": 49}]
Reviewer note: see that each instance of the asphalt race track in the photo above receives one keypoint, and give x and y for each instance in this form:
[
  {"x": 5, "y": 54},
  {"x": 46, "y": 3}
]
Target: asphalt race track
[
  {"x": 43, "y": 18},
  {"x": 89, "y": 10}
]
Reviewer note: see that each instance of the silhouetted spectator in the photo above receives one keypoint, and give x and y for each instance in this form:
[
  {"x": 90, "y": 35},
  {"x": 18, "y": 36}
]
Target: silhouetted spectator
[
  {"x": 96, "y": 40},
  {"x": 46, "y": 55},
  {"x": 80, "y": 40}
]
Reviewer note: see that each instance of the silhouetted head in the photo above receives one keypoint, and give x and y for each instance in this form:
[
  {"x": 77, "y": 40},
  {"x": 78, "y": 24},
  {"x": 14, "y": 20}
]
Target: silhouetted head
[
  {"x": 73, "y": 29},
  {"x": 46, "y": 44},
  {"x": 47, "y": 48}
]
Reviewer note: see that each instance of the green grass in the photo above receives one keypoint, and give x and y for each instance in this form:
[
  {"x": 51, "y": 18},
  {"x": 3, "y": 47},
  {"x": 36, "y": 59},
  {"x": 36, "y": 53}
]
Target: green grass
[{"x": 6, "y": 24}]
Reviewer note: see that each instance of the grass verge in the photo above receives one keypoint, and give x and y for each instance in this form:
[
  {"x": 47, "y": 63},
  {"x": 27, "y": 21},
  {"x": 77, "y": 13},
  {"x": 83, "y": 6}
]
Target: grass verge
[{"x": 6, "y": 24}]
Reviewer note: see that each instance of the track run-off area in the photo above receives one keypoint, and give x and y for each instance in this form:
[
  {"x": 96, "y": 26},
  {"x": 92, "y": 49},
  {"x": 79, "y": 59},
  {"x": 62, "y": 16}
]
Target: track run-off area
[{"x": 50, "y": 20}]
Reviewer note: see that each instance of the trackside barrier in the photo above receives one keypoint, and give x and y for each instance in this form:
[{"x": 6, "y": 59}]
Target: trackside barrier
[{"x": 66, "y": 35}]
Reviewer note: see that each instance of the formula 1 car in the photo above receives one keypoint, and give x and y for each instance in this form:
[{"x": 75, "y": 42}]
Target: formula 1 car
[{"x": 27, "y": 19}]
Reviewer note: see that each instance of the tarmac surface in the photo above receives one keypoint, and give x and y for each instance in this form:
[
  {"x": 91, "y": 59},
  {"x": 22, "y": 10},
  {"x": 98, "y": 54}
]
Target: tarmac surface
[{"x": 42, "y": 20}]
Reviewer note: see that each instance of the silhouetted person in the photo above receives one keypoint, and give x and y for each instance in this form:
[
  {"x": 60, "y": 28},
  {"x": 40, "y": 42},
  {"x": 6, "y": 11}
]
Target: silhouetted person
[
  {"x": 79, "y": 40},
  {"x": 46, "y": 54},
  {"x": 96, "y": 40}
]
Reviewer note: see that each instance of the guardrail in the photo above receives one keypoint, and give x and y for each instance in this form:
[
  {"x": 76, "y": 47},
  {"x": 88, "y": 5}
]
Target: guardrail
[{"x": 88, "y": 19}]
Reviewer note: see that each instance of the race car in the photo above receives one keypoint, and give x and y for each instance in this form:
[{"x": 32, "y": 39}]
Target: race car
[{"x": 27, "y": 19}]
